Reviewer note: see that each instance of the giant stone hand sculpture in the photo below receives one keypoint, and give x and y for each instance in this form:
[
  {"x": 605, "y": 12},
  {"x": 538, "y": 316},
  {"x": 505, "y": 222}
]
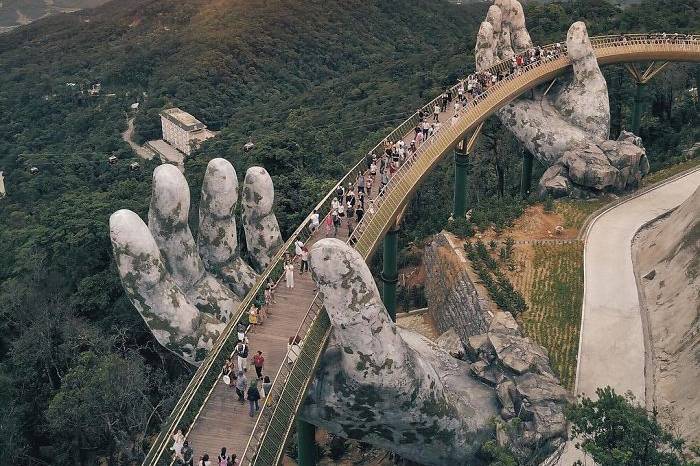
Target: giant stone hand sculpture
[
  {"x": 396, "y": 389},
  {"x": 185, "y": 290},
  {"x": 567, "y": 129}
]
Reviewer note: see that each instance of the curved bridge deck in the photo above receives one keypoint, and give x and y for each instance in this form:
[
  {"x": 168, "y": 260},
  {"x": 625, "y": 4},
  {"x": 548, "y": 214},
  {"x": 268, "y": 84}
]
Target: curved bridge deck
[{"x": 219, "y": 420}]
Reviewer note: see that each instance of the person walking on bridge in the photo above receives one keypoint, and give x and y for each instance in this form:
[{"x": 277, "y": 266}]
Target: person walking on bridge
[
  {"x": 259, "y": 362},
  {"x": 253, "y": 398},
  {"x": 242, "y": 352},
  {"x": 289, "y": 274},
  {"x": 304, "y": 260},
  {"x": 241, "y": 386},
  {"x": 187, "y": 454},
  {"x": 436, "y": 112}
]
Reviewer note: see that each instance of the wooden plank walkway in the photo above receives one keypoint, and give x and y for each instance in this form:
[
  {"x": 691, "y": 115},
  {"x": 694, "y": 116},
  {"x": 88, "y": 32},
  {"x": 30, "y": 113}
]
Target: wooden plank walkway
[{"x": 224, "y": 421}]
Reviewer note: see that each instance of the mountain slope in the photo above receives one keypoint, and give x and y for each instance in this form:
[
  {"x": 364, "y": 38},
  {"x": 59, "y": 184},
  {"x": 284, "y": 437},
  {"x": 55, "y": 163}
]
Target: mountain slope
[{"x": 672, "y": 250}]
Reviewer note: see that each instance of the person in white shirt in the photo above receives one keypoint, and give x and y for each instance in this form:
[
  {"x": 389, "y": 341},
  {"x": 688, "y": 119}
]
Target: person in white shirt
[
  {"x": 315, "y": 221},
  {"x": 298, "y": 244},
  {"x": 289, "y": 274},
  {"x": 436, "y": 112}
]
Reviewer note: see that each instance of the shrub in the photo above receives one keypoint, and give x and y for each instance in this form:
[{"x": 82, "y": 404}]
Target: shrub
[{"x": 548, "y": 203}]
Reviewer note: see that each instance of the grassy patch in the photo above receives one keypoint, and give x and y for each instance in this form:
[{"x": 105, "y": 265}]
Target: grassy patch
[
  {"x": 552, "y": 283},
  {"x": 576, "y": 211},
  {"x": 670, "y": 171}
]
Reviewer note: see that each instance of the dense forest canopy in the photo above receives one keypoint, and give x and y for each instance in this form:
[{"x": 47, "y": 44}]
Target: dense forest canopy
[{"x": 313, "y": 84}]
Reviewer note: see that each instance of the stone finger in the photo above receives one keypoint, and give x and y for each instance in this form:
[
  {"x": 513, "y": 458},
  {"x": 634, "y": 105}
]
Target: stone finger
[
  {"x": 352, "y": 300},
  {"x": 585, "y": 100},
  {"x": 485, "y": 49},
  {"x": 177, "y": 325},
  {"x": 217, "y": 239},
  {"x": 168, "y": 222},
  {"x": 520, "y": 37},
  {"x": 262, "y": 232}
]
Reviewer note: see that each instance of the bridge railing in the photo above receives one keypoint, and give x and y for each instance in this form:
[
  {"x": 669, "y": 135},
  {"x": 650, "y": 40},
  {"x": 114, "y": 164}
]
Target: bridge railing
[{"x": 272, "y": 428}]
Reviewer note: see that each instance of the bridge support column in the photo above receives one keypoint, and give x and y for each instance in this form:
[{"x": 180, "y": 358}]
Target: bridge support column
[
  {"x": 461, "y": 180},
  {"x": 637, "y": 110},
  {"x": 641, "y": 78},
  {"x": 306, "y": 443},
  {"x": 390, "y": 272},
  {"x": 526, "y": 174},
  {"x": 462, "y": 151}
]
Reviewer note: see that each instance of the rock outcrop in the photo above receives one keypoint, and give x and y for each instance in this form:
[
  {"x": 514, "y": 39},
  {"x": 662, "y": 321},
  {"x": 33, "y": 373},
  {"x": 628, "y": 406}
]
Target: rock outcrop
[
  {"x": 668, "y": 263},
  {"x": 567, "y": 129},
  {"x": 526, "y": 388},
  {"x": 385, "y": 385},
  {"x": 453, "y": 302}
]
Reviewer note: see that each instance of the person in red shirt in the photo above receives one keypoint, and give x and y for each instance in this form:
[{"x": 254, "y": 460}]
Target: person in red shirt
[{"x": 258, "y": 362}]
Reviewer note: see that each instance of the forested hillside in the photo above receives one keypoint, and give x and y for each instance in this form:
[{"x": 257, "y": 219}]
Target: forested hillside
[{"x": 313, "y": 84}]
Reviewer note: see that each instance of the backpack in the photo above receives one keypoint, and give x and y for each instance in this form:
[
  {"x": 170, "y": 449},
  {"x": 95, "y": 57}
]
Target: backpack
[{"x": 244, "y": 352}]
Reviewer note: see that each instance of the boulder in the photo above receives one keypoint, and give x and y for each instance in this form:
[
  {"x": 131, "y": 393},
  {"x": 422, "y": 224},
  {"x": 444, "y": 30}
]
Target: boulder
[
  {"x": 520, "y": 354},
  {"x": 490, "y": 374},
  {"x": 504, "y": 392},
  {"x": 554, "y": 182},
  {"x": 588, "y": 166},
  {"x": 504, "y": 323},
  {"x": 450, "y": 342},
  {"x": 478, "y": 347}
]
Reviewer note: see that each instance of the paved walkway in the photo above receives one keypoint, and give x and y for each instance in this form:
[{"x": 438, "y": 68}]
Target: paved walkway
[{"x": 611, "y": 349}]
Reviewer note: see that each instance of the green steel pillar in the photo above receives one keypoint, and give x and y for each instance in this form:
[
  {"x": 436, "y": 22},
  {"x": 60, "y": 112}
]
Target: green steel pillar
[
  {"x": 461, "y": 180},
  {"x": 526, "y": 175},
  {"x": 306, "y": 443},
  {"x": 637, "y": 112},
  {"x": 390, "y": 273}
]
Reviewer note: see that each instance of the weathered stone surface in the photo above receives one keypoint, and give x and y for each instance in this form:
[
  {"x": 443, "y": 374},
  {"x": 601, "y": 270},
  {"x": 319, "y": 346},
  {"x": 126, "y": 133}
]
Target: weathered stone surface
[
  {"x": 588, "y": 166},
  {"x": 504, "y": 393},
  {"x": 389, "y": 386},
  {"x": 176, "y": 324},
  {"x": 503, "y": 323},
  {"x": 166, "y": 274},
  {"x": 569, "y": 126},
  {"x": 167, "y": 221},
  {"x": 217, "y": 239},
  {"x": 262, "y": 232},
  {"x": 554, "y": 182},
  {"x": 517, "y": 353},
  {"x": 450, "y": 342},
  {"x": 479, "y": 347},
  {"x": 539, "y": 399},
  {"x": 490, "y": 374},
  {"x": 452, "y": 298}
]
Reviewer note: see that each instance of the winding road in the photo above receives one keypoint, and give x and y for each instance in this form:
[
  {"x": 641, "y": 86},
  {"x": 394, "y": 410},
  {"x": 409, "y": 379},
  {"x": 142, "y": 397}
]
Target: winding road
[{"x": 612, "y": 343}]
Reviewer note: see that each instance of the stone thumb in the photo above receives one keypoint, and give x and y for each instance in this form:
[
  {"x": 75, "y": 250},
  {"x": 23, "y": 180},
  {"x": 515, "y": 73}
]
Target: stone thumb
[
  {"x": 361, "y": 323},
  {"x": 581, "y": 54}
]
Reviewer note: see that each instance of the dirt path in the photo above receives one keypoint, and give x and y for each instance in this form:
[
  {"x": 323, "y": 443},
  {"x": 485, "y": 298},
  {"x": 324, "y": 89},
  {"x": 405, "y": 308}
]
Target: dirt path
[{"x": 127, "y": 137}]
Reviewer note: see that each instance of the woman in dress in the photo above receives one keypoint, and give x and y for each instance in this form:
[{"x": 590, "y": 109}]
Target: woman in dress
[
  {"x": 253, "y": 318},
  {"x": 178, "y": 442},
  {"x": 289, "y": 274}
]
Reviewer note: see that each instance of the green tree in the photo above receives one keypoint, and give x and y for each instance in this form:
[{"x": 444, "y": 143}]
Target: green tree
[{"x": 616, "y": 431}]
